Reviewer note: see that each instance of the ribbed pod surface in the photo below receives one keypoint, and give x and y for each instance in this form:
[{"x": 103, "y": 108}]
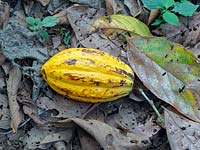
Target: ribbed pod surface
[{"x": 88, "y": 75}]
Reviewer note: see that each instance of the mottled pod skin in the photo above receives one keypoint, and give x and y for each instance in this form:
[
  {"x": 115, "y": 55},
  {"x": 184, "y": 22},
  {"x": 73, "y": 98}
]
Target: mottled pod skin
[{"x": 88, "y": 75}]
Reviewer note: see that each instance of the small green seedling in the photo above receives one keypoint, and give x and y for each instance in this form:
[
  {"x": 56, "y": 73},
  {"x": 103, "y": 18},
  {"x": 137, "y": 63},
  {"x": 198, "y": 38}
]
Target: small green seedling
[
  {"x": 36, "y": 24},
  {"x": 168, "y": 8},
  {"x": 67, "y": 39}
]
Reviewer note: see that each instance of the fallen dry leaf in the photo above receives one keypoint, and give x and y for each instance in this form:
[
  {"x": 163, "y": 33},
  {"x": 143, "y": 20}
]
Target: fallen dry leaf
[
  {"x": 152, "y": 16},
  {"x": 4, "y": 113},
  {"x": 12, "y": 88},
  {"x": 133, "y": 6},
  {"x": 182, "y": 133},
  {"x": 186, "y": 33},
  {"x": 112, "y": 7},
  {"x": 87, "y": 142},
  {"x": 109, "y": 137},
  {"x": 44, "y": 2},
  {"x": 81, "y": 19},
  {"x": 169, "y": 71},
  {"x": 65, "y": 108},
  {"x": 4, "y": 14}
]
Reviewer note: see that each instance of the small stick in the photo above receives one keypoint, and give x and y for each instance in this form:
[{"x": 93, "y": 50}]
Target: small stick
[{"x": 152, "y": 105}]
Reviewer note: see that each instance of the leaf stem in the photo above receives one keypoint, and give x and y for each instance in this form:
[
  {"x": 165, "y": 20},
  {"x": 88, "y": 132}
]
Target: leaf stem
[{"x": 152, "y": 105}]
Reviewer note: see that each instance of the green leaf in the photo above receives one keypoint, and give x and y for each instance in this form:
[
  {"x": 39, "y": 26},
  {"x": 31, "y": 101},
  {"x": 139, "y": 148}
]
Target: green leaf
[
  {"x": 170, "y": 18},
  {"x": 169, "y": 71},
  {"x": 37, "y": 21},
  {"x": 167, "y": 3},
  {"x": 50, "y": 21},
  {"x": 36, "y": 27},
  {"x": 152, "y": 4},
  {"x": 30, "y": 20},
  {"x": 44, "y": 34},
  {"x": 185, "y": 8},
  {"x": 157, "y": 22},
  {"x": 67, "y": 39}
]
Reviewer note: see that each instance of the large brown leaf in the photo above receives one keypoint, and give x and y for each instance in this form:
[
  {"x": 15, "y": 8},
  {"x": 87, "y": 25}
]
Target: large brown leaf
[
  {"x": 169, "y": 71},
  {"x": 182, "y": 133}
]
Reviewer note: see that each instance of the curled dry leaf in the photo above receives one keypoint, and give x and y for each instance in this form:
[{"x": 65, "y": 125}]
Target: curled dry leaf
[
  {"x": 169, "y": 71},
  {"x": 121, "y": 23},
  {"x": 12, "y": 88},
  {"x": 153, "y": 14},
  {"x": 182, "y": 133}
]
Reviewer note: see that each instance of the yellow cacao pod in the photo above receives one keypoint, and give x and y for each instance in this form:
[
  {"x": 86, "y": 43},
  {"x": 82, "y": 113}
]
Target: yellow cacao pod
[{"x": 88, "y": 75}]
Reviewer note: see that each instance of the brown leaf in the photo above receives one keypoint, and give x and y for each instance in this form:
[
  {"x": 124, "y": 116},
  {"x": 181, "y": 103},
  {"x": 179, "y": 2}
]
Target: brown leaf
[
  {"x": 186, "y": 33},
  {"x": 133, "y": 6},
  {"x": 111, "y": 7},
  {"x": 111, "y": 138},
  {"x": 182, "y": 133},
  {"x": 2, "y": 58},
  {"x": 153, "y": 14},
  {"x": 44, "y": 2},
  {"x": 87, "y": 142},
  {"x": 65, "y": 108},
  {"x": 4, "y": 112},
  {"x": 43, "y": 137},
  {"x": 4, "y": 14},
  {"x": 169, "y": 71},
  {"x": 81, "y": 18},
  {"x": 12, "y": 88}
]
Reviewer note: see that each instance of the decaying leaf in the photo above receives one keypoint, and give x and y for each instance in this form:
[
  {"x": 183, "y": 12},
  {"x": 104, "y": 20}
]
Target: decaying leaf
[
  {"x": 4, "y": 112},
  {"x": 92, "y": 3},
  {"x": 182, "y": 133},
  {"x": 133, "y": 6},
  {"x": 111, "y": 7},
  {"x": 87, "y": 142},
  {"x": 81, "y": 19},
  {"x": 120, "y": 23},
  {"x": 44, "y": 2},
  {"x": 65, "y": 108},
  {"x": 18, "y": 42},
  {"x": 43, "y": 138},
  {"x": 186, "y": 33},
  {"x": 12, "y": 88},
  {"x": 4, "y": 14},
  {"x": 169, "y": 71},
  {"x": 110, "y": 137}
]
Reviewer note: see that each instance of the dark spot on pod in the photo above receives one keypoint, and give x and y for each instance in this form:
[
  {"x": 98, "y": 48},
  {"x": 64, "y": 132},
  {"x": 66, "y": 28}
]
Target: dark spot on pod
[
  {"x": 120, "y": 71},
  {"x": 122, "y": 82},
  {"x": 71, "y": 61},
  {"x": 93, "y": 52},
  {"x": 92, "y": 61},
  {"x": 72, "y": 77},
  {"x": 166, "y": 55},
  {"x": 44, "y": 74}
]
